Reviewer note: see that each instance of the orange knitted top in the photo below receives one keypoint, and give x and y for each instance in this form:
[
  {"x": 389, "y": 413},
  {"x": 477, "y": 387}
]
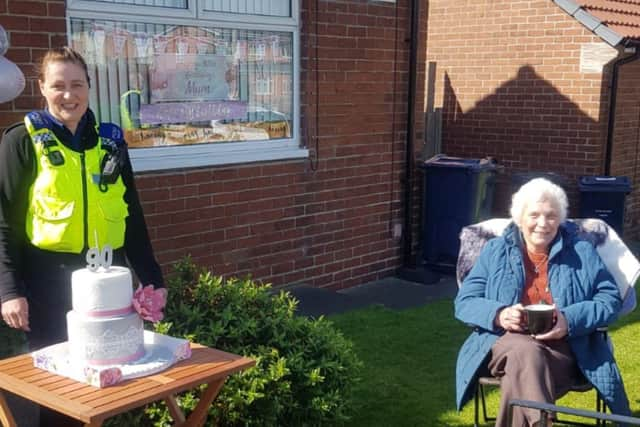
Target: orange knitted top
[{"x": 536, "y": 282}]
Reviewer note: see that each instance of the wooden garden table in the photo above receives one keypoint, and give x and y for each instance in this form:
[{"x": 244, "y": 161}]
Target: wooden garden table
[{"x": 93, "y": 405}]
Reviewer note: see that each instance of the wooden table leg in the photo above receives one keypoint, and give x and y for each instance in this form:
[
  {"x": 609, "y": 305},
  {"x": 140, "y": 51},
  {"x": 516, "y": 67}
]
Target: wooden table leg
[
  {"x": 199, "y": 415},
  {"x": 6, "y": 417},
  {"x": 176, "y": 413}
]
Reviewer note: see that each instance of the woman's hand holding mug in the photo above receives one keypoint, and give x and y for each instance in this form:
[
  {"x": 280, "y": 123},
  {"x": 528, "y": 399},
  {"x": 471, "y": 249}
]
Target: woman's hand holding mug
[{"x": 511, "y": 319}]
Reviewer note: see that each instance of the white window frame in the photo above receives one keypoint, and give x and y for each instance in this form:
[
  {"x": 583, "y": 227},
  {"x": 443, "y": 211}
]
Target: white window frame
[
  {"x": 211, "y": 154},
  {"x": 95, "y": 7},
  {"x": 257, "y": 19}
]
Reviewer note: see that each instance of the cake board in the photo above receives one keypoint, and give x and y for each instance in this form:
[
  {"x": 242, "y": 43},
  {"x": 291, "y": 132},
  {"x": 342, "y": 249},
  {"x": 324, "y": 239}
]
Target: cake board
[{"x": 161, "y": 351}]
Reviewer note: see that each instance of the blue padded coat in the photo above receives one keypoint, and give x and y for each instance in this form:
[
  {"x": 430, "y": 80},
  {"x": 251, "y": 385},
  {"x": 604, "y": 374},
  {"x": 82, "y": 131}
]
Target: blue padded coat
[{"x": 582, "y": 289}]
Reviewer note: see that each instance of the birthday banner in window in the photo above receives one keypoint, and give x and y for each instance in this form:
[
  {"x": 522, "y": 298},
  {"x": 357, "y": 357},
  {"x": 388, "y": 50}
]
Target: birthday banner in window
[
  {"x": 188, "y": 112},
  {"x": 189, "y": 77}
]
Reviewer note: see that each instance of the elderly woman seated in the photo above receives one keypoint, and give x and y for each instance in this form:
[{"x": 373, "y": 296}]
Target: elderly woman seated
[{"x": 538, "y": 259}]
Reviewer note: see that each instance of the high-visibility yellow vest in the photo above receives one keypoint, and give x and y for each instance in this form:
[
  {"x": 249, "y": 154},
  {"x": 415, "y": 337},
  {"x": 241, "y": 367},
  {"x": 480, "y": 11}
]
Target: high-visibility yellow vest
[{"x": 67, "y": 210}]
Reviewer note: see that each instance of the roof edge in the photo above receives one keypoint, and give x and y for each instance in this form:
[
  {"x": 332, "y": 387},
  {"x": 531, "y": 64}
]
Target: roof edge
[{"x": 594, "y": 24}]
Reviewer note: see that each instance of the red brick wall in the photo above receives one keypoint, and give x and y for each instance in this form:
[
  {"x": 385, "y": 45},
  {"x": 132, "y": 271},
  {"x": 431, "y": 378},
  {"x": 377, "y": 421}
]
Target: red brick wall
[
  {"x": 327, "y": 222},
  {"x": 510, "y": 85},
  {"x": 625, "y": 159},
  {"x": 32, "y": 27}
]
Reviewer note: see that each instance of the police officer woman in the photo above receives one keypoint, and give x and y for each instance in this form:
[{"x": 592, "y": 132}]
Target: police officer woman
[{"x": 66, "y": 184}]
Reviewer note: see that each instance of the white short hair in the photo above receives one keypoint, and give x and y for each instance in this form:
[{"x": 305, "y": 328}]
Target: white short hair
[{"x": 538, "y": 190}]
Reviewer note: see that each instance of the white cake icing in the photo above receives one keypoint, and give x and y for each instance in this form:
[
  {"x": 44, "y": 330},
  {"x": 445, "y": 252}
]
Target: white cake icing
[
  {"x": 100, "y": 291},
  {"x": 103, "y": 328}
]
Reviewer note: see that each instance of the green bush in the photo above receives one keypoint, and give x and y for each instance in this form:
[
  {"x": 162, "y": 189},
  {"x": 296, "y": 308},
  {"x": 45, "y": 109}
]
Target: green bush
[{"x": 305, "y": 369}]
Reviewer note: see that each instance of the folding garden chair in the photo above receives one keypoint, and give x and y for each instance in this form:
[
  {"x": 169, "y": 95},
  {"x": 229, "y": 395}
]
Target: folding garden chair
[
  {"x": 546, "y": 409},
  {"x": 479, "y": 395},
  {"x": 618, "y": 259}
]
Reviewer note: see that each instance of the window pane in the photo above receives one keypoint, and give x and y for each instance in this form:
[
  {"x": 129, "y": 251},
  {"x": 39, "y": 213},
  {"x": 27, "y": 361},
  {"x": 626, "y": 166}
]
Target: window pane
[
  {"x": 169, "y": 85},
  {"x": 176, "y": 4},
  {"x": 250, "y": 7}
]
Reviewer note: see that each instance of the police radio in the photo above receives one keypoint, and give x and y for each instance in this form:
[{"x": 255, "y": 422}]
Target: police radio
[
  {"x": 111, "y": 140},
  {"x": 109, "y": 166}
]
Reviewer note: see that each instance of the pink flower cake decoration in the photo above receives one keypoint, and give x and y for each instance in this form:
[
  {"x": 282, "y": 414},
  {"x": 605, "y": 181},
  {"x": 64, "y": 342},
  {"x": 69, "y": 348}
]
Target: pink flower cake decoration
[{"x": 150, "y": 302}]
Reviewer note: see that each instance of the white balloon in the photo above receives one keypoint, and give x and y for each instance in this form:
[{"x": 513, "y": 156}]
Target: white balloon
[
  {"x": 4, "y": 41},
  {"x": 12, "y": 81}
]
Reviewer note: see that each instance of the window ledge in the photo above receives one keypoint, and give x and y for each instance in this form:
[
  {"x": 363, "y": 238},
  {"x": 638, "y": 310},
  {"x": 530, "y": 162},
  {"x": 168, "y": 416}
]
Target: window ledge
[{"x": 178, "y": 157}]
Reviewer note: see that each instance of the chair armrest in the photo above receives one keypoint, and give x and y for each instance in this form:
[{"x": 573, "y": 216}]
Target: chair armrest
[{"x": 547, "y": 408}]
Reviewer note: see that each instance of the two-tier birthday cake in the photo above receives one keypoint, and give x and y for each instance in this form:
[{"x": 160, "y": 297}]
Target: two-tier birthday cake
[
  {"x": 103, "y": 327},
  {"x": 106, "y": 339}
]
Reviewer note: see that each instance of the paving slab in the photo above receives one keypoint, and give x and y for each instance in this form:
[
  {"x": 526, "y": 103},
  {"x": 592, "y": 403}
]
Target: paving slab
[
  {"x": 316, "y": 302},
  {"x": 392, "y": 292},
  {"x": 399, "y": 294}
]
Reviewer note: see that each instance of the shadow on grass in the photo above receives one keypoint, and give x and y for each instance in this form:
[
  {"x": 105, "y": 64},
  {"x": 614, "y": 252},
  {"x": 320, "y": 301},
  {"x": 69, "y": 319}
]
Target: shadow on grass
[{"x": 409, "y": 360}]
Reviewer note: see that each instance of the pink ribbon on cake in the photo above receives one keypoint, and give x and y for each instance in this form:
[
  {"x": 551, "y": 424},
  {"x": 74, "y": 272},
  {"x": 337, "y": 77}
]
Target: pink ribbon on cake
[{"x": 118, "y": 360}]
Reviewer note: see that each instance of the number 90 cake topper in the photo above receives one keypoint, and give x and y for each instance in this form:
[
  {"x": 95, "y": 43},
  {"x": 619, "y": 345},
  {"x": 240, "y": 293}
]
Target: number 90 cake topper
[{"x": 97, "y": 258}]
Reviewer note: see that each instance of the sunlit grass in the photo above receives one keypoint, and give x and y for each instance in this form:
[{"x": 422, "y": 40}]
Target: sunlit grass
[
  {"x": 410, "y": 355},
  {"x": 409, "y": 359}
]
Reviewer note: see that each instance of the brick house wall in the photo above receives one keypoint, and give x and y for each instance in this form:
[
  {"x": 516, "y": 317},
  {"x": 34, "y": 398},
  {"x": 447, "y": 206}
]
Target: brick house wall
[
  {"x": 33, "y": 27},
  {"x": 325, "y": 222},
  {"x": 625, "y": 157},
  {"x": 511, "y": 86}
]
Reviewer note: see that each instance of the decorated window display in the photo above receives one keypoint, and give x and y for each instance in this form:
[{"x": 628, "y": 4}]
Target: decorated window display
[
  {"x": 194, "y": 83},
  {"x": 180, "y": 85}
]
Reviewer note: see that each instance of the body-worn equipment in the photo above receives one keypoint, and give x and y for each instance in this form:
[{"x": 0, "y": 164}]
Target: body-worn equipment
[{"x": 76, "y": 195}]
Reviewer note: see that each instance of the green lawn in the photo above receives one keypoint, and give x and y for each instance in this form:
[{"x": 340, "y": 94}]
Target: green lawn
[{"x": 409, "y": 365}]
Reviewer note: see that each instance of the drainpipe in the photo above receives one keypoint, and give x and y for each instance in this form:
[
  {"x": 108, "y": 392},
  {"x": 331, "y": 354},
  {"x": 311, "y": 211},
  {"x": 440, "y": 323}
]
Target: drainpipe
[
  {"x": 408, "y": 261},
  {"x": 612, "y": 103}
]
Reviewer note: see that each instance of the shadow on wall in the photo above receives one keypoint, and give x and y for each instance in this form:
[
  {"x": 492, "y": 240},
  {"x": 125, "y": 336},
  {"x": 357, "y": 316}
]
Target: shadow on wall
[{"x": 527, "y": 125}]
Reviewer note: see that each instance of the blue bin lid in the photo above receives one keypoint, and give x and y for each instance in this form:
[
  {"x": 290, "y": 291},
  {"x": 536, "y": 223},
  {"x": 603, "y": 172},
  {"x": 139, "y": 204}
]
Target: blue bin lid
[
  {"x": 605, "y": 184},
  {"x": 444, "y": 161}
]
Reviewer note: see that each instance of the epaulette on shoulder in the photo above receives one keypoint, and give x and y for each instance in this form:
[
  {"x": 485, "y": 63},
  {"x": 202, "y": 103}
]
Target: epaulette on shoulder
[
  {"x": 39, "y": 120},
  {"x": 111, "y": 132}
]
